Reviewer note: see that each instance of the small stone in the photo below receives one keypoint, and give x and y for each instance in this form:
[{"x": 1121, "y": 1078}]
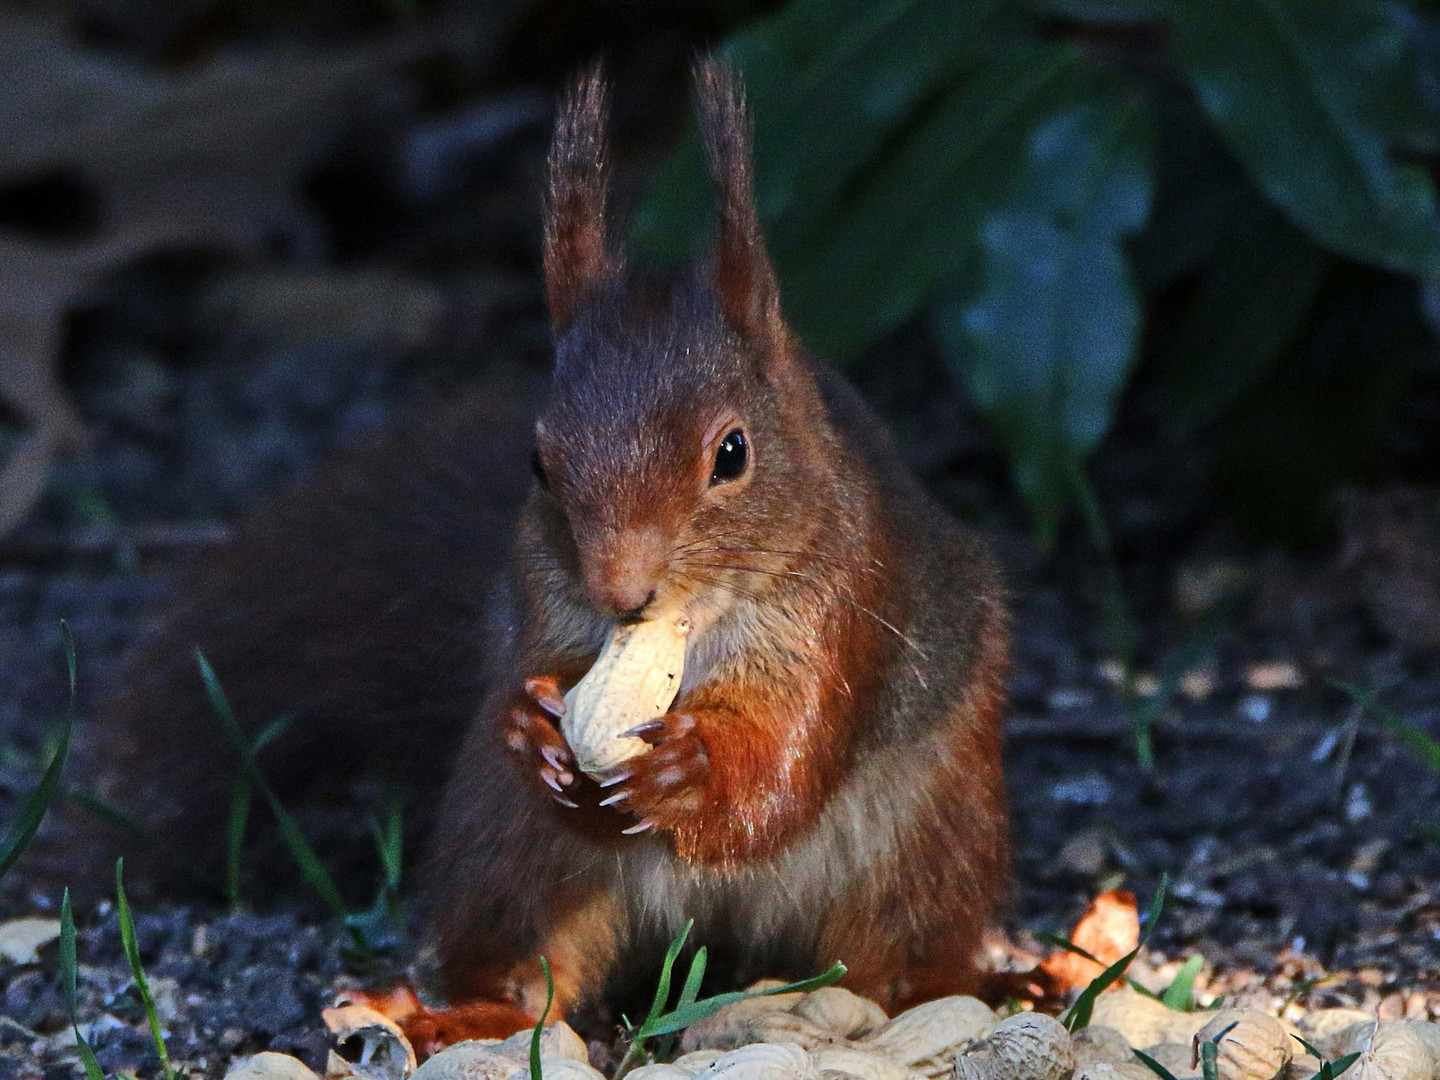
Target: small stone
[
  {"x": 1197, "y": 684},
  {"x": 1255, "y": 708},
  {"x": 22, "y": 939},
  {"x": 1090, "y": 789},
  {"x": 1274, "y": 675}
]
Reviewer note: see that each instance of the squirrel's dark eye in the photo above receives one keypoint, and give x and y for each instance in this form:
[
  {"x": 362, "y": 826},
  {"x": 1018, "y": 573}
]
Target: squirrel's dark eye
[
  {"x": 538, "y": 468},
  {"x": 730, "y": 458}
]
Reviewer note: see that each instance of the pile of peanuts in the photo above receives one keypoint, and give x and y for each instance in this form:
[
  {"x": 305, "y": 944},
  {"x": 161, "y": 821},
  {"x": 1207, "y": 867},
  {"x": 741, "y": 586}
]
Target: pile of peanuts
[{"x": 832, "y": 1034}]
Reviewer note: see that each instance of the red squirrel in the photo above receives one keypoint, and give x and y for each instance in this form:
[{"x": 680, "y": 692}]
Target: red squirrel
[{"x": 827, "y": 784}]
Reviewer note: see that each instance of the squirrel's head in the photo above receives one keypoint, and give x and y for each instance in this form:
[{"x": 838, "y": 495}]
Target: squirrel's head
[{"x": 684, "y": 430}]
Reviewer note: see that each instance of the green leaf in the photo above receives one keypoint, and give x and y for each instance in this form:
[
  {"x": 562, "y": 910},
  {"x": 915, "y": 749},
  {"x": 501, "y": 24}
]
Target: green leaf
[
  {"x": 68, "y": 968},
  {"x": 1250, "y": 308},
  {"x": 915, "y": 214},
  {"x": 1201, "y": 196},
  {"x": 32, "y": 811},
  {"x": 1108, "y": 12},
  {"x": 137, "y": 972},
  {"x": 1045, "y": 338},
  {"x": 829, "y": 82},
  {"x": 1309, "y": 95},
  {"x": 1180, "y": 994}
]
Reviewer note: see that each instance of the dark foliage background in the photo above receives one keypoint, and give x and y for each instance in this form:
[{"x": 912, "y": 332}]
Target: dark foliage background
[{"x": 1231, "y": 200}]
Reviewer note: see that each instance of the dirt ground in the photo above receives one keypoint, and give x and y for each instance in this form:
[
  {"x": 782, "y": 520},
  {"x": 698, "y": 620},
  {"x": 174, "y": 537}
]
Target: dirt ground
[{"x": 1298, "y": 837}]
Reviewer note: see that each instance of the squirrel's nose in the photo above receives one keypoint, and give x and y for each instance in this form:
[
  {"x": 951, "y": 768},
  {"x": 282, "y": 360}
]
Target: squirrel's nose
[
  {"x": 625, "y": 598},
  {"x": 623, "y": 581},
  {"x": 639, "y": 609}
]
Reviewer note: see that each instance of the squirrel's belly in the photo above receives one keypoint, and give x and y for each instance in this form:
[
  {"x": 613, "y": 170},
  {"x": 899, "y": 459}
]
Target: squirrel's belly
[{"x": 851, "y": 846}]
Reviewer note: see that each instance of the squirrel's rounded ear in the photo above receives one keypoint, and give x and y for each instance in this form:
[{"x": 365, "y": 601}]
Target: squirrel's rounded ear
[
  {"x": 577, "y": 247},
  {"x": 744, "y": 280}
]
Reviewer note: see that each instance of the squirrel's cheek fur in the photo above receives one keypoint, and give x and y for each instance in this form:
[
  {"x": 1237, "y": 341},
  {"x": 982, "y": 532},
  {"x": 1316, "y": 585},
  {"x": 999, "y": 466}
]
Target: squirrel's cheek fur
[{"x": 826, "y": 785}]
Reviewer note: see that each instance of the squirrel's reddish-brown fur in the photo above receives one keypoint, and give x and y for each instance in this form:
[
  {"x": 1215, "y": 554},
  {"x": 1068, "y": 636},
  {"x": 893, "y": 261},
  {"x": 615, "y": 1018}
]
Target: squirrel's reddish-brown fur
[{"x": 827, "y": 784}]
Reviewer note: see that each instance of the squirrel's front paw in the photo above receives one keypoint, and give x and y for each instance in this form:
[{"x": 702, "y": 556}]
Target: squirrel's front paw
[
  {"x": 666, "y": 784},
  {"x": 532, "y": 735}
]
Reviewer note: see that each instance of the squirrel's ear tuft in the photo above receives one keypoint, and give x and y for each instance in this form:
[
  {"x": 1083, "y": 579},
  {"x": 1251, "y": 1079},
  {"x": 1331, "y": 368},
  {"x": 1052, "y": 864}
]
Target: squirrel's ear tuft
[
  {"x": 577, "y": 247},
  {"x": 744, "y": 280}
]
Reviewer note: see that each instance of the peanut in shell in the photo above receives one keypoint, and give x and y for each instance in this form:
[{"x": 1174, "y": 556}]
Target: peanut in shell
[{"x": 634, "y": 679}]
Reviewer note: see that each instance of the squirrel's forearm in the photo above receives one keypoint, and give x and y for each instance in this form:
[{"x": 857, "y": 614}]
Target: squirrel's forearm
[{"x": 770, "y": 768}]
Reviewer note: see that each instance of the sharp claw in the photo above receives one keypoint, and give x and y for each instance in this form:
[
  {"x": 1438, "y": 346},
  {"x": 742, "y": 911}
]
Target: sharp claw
[
  {"x": 619, "y": 778},
  {"x": 566, "y": 802},
  {"x": 639, "y": 731},
  {"x": 549, "y": 754},
  {"x": 619, "y": 796},
  {"x": 550, "y": 781},
  {"x": 540, "y": 693},
  {"x": 647, "y": 823}
]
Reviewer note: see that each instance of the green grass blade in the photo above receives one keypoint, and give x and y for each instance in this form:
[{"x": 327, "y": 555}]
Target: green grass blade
[
  {"x": 241, "y": 791},
  {"x": 137, "y": 973},
  {"x": 1065, "y": 943},
  {"x": 691, "y": 990},
  {"x": 1210, "y": 1053},
  {"x": 27, "y": 821},
  {"x": 636, "y": 1050},
  {"x": 1153, "y": 1065},
  {"x": 1059, "y": 941},
  {"x": 389, "y": 844},
  {"x": 688, "y": 993},
  {"x": 662, "y": 988},
  {"x": 68, "y": 968},
  {"x": 1078, "y": 1015},
  {"x": 67, "y": 951},
  {"x": 535, "y": 1071},
  {"x": 685, "y": 1015},
  {"x": 235, "y": 827},
  {"x": 1152, "y": 917},
  {"x": 311, "y": 868},
  {"x": 1423, "y": 745},
  {"x": 1210, "y": 1060},
  {"x": 1180, "y": 994},
  {"x": 112, "y": 815},
  {"x": 1340, "y": 1064}
]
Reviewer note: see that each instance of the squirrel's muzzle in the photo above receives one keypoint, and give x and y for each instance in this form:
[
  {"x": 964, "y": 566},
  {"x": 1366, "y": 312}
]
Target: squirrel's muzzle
[{"x": 622, "y": 569}]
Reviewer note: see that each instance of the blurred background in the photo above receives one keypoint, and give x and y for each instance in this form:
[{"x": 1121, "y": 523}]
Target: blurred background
[{"x": 1148, "y": 290}]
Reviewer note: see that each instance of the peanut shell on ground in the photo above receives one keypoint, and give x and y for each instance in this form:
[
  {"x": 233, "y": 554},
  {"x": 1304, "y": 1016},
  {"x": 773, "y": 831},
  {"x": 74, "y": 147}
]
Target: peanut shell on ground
[
  {"x": 1250, "y": 1044},
  {"x": 929, "y": 1036},
  {"x": 270, "y": 1066},
  {"x": 1026, "y": 1046},
  {"x": 761, "y": 1061}
]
